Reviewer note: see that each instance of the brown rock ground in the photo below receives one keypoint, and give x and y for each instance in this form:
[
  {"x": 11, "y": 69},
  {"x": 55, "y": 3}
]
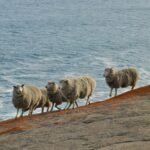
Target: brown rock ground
[{"x": 119, "y": 123}]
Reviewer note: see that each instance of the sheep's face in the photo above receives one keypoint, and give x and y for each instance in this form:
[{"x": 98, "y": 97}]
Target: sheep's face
[
  {"x": 51, "y": 87},
  {"x": 18, "y": 89},
  {"x": 108, "y": 72},
  {"x": 64, "y": 84}
]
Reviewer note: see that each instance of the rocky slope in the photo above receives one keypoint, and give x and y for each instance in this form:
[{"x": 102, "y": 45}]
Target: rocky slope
[{"x": 119, "y": 123}]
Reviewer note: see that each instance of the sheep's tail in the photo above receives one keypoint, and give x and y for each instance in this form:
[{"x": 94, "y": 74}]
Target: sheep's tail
[{"x": 136, "y": 73}]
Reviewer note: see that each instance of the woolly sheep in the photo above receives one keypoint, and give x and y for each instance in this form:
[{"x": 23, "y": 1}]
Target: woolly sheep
[
  {"x": 70, "y": 90},
  {"x": 89, "y": 85},
  {"x": 26, "y": 97},
  {"x": 55, "y": 95},
  {"x": 120, "y": 78},
  {"x": 80, "y": 87},
  {"x": 44, "y": 102}
]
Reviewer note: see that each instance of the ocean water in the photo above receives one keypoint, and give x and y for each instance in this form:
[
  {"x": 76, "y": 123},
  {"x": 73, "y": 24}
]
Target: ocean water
[{"x": 53, "y": 39}]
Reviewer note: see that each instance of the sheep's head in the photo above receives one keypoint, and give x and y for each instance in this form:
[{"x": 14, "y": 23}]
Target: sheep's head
[
  {"x": 18, "y": 89},
  {"x": 64, "y": 84},
  {"x": 109, "y": 72},
  {"x": 51, "y": 87}
]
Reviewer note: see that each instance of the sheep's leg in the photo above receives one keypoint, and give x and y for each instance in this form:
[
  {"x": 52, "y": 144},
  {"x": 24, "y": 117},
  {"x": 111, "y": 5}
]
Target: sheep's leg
[
  {"x": 17, "y": 113},
  {"x": 110, "y": 94},
  {"x": 30, "y": 111},
  {"x": 66, "y": 106},
  {"x": 52, "y": 106},
  {"x": 115, "y": 91},
  {"x": 22, "y": 113},
  {"x": 69, "y": 105},
  {"x": 47, "y": 108},
  {"x": 76, "y": 103},
  {"x": 57, "y": 107},
  {"x": 132, "y": 87},
  {"x": 42, "y": 109},
  {"x": 29, "y": 114},
  {"x": 73, "y": 104},
  {"x": 33, "y": 108},
  {"x": 88, "y": 102}
]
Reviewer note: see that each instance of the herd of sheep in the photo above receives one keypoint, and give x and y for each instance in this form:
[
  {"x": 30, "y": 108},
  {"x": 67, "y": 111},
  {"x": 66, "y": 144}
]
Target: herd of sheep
[{"x": 69, "y": 91}]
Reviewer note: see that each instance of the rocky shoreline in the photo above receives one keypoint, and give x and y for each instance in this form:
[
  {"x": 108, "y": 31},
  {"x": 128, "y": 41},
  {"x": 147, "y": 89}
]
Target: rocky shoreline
[{"x": 121, "y": 122}]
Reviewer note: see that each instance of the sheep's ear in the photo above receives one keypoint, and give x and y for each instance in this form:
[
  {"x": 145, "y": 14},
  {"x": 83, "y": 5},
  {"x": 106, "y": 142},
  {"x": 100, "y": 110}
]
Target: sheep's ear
[
  {"x": 14, "y": 87},
  {"x": 22, "y": 85}
]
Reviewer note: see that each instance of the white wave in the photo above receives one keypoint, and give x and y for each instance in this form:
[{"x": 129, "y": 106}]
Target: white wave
[
  {"x": 7, "y": 116},
  {"x": 100, "y": 95},
  {"x": 107, "y": 62},
  {"x": 72, "y": 75},
  {"x": 10, "y": 79},
  {"x": 5, "y": 90},
  {"x": 144, "y": 76},
  {"x": 1, "y": 104},
  {"x": 144, "y": 72}
]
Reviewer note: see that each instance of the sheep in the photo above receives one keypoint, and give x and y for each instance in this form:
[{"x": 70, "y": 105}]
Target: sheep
[
  {"x": 68, "y": 88},
  {"x": 55, "y": 95},
  {"x": 80, "y": 87},
  {"x": 26, "y": 97},
  {"x": 120, "y": 78},
  {"x": 44, "y": 102},
  {"x": 89, "y": 85}
]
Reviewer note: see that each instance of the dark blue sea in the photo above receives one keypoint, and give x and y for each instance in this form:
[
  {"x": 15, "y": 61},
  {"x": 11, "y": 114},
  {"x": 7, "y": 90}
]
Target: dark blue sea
[{"x": 43, "y": 40}]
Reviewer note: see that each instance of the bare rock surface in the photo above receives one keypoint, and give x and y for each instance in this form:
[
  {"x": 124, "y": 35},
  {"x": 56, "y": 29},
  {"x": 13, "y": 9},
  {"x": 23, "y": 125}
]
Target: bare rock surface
[{"x": 119, "y": 123}]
